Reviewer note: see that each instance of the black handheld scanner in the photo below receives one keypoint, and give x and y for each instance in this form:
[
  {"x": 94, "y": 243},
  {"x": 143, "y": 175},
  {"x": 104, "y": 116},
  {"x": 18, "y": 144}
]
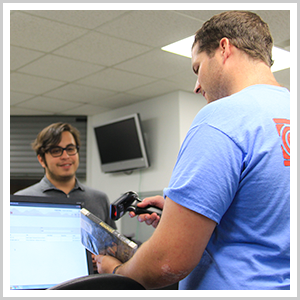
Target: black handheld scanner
[{"x": 128, "y": 202}]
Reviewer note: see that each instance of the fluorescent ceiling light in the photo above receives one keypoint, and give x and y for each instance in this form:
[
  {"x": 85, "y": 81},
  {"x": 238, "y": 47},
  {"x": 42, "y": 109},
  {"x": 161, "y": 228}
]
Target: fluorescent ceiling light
[
  {"x": 281, "y": 59},
  {"x": 183, "y": 47}
]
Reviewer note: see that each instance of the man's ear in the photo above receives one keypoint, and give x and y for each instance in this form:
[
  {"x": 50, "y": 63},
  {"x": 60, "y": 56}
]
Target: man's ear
[
  {"x": 41, "y": 161},
  {"x": 225, "y": 47}
]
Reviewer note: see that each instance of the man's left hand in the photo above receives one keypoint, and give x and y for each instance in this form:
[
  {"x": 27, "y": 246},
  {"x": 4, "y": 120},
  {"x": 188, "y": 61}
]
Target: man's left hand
[{"x": 106, "y": 263}]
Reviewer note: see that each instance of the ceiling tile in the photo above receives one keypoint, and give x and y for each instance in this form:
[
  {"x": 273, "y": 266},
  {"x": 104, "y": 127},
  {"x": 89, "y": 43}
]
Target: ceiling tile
[
  {"x": 185, "y": 80},
  {"x": 16, "y": 97},
  {"x": 157, "y": 63},
  {"x": 159, "y": 27},
  {"x": 20, "y": 57},
  {"x": 201, "y": 15},
  {"x": 121, "y": 99},
  {"x": 48, "y": 104},
  {"x": 39, "y": 34},
  {"x": 19, "y": 111},
  {"x": 89, "y": 19},
  {"x": 32, "y": 84},
  {"x": 101, "y": 49},
  {"x": 80, "y": 93},
  {"x": 155, "y": 89},
  {"x": 86, "y": 109},
  {"x": 60, "y": 68},
  {"x": 116, "y": 80}
]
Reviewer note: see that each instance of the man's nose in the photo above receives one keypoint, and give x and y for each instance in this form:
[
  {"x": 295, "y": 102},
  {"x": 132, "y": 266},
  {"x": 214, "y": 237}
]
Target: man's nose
[
  {"x": 197, "y": 88},
  {"x": 65, "y": 154}
]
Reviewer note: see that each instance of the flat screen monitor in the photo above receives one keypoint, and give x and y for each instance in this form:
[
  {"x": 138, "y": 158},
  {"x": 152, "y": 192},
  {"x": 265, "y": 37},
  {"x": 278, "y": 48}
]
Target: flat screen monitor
[
  {"x": 121, "y": 145},
  {"x": 45, "y": 244}
]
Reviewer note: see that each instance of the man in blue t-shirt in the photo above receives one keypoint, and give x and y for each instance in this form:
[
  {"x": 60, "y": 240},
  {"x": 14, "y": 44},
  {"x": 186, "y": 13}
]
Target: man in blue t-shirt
[
  {"x": 226, "y": 212},
  {"x": 241, "y": 181}
]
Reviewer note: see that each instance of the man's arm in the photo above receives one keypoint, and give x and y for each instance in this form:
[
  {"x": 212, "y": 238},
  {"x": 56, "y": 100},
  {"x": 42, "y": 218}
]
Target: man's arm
[{"x": 171, "y": 253}]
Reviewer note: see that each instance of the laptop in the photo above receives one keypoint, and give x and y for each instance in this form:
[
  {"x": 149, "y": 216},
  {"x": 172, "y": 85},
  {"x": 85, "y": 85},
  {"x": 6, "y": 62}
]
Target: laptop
[{"x": 45, "y": 244}]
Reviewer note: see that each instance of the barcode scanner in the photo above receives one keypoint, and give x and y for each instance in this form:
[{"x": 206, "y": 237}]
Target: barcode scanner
[{"x": 128, "y": 202}]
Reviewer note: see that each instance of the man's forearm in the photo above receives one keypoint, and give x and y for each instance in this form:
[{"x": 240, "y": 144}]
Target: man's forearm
[
  {"x": 171, "y": 253},
  {"x": 154, "y": 273}
]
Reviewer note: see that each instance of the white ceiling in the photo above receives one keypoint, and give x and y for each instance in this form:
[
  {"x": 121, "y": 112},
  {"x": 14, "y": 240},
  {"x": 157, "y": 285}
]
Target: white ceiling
[{"x": 88, "y": 62}]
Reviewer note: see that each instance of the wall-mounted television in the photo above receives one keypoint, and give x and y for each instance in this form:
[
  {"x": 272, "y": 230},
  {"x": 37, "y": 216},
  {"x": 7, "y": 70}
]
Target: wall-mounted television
[{"x": 121, "y": 145}]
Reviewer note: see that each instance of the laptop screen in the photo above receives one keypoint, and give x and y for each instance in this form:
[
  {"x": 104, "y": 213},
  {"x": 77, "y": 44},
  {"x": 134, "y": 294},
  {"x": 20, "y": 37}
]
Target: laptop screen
[{"x": 45, "y": 246}]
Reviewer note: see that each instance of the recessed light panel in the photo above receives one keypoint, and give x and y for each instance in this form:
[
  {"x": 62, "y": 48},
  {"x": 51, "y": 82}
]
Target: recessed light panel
[{"x": 183, "y": 47}]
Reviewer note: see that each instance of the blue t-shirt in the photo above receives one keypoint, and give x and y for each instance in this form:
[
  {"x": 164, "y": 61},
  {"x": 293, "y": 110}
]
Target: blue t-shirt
[{"x": 233, "y": 167}]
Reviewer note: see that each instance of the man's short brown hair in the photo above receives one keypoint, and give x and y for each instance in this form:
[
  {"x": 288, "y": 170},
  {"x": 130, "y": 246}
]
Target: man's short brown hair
[
  {"x": 51, "y": 136},
  {"x": 245, "y": 30}
]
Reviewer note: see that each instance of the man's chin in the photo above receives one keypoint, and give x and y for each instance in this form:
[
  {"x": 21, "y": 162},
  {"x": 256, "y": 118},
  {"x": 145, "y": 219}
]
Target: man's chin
[
  {"x": 62, "y": 177},
  {"x": 66, "y": 177}
]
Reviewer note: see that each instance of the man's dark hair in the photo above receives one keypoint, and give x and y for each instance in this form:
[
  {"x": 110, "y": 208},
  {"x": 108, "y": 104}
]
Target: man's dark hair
[{"x": 245, "y": 30}]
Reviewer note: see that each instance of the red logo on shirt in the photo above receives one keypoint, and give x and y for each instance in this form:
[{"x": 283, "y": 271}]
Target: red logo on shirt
[{"x": 283, "y": 129}]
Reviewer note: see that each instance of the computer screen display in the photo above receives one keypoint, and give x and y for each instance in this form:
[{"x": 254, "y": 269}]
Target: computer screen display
[{"x": 45, "y": 246}]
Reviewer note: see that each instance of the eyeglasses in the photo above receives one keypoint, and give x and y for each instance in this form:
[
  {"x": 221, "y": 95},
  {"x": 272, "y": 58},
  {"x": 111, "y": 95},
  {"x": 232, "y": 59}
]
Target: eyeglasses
[{"x": 58, "y": 151}]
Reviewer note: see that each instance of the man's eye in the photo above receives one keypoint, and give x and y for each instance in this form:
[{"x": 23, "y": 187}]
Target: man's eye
[
  {"x": 71, "y": 148},
  {"x": 55, "y": 151},
  {"x": 196, "y": 70}
]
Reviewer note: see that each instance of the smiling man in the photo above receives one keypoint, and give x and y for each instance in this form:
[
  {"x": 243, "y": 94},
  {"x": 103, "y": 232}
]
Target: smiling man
[
  {"x": 61, "y": 162},
  {"x": 57, "y": 148}
]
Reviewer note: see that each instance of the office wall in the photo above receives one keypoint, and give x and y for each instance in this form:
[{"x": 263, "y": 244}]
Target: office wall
[
  {"x": 165, "y": 121},
  {"x": 189, "y": 105}
]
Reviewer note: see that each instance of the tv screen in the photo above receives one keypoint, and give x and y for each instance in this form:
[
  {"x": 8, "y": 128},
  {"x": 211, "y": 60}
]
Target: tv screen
[{"x": 121, "y": 145}]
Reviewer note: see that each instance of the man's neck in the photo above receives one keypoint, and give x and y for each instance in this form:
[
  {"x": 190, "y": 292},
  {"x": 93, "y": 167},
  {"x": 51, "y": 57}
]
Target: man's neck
[{"x": 245, "y": 71}]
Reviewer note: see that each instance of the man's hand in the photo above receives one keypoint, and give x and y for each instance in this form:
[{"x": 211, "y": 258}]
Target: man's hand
[
  {"x": 150, "y": 219},
  {"x": 94, "y": 262},
  {"x": 106, "y": 263}
]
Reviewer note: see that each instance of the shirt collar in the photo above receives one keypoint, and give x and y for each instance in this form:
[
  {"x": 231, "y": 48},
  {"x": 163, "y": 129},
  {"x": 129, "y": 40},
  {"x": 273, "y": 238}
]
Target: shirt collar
[{"x": 46, "y": 185}]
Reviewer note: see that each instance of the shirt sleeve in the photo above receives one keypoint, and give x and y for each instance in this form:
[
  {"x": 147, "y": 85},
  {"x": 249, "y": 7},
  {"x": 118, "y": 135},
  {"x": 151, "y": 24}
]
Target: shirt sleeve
[{"x": 206, "y": 175}]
